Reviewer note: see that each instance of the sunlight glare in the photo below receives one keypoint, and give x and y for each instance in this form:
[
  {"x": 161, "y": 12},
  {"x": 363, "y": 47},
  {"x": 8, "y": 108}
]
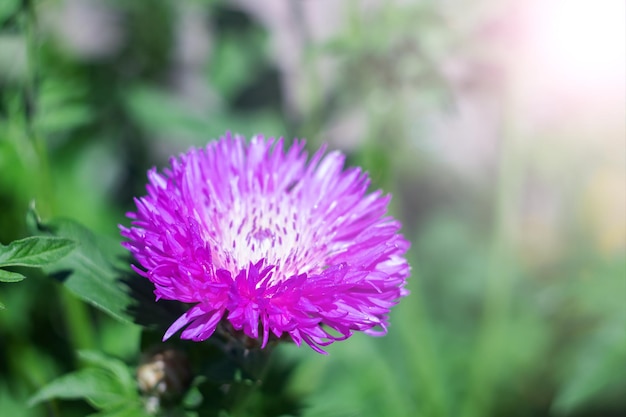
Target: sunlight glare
[{"x": 580, "y": 42}]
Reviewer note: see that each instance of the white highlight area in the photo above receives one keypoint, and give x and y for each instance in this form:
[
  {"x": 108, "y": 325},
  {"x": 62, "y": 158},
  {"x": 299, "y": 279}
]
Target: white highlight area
[{"x": 580, "y": 43}]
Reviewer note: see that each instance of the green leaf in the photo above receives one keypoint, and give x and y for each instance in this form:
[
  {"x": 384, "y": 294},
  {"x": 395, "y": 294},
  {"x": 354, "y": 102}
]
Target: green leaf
[
  {"x": 193, "y": 398},
  {"x": 588, "y": 375},
  {"x": 108, "y": 384},
  {"x": 6, "y": 276},
  {"x": 8, "y": 8},
  {"x": 236, "y": 54},
  {"x": 62, "y": 105},
  {"x": 90, "y": 272},
  {"x": 64, "y": 118},
  {"x": 97, "y": 386},
  {"x": 35, "y": 251},
  {"x": 591, "y": 374},
  {"x": 98, "y": 271},
  {"x": 118, "y": 369},
  {"x": 162, "y": 115},
  {"x": 132, "y": 410}
]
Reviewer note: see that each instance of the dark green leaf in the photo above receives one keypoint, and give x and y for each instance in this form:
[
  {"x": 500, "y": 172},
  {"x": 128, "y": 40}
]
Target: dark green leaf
[
  {"x": 90, "y": 271},
  {"x": 98, "y": 271},
  {"x": 35, "y": 251},
  {"x": 6, "y": 276},
  {"x": 131, "y": 410}
]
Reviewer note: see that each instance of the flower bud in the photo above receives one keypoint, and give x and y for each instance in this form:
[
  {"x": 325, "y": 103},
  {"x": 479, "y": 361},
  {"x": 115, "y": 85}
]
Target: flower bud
[{"x": 164, "y": 374}]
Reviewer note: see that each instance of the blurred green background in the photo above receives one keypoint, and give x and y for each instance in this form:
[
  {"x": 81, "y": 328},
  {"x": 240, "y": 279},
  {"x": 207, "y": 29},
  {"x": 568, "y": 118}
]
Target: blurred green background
[{"x": 498, "y": 126}]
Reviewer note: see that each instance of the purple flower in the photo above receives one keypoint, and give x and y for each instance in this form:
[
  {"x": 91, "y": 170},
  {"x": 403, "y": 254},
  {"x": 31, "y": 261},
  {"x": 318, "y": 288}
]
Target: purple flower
[{"x": 253, "y": 235}]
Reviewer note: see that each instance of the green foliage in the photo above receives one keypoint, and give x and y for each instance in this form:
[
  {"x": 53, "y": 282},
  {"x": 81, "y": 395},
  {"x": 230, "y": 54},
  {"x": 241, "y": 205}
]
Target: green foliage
[
  {"x": 588, "y": 371},
  {"x": 62, "y": 107},
  {"x": 161, "y": 115},
  {"x": 7, "y": 9},
  {"x": 7, "y": 276},
  {"x": 35, "y": 251},
  {"x": 98, "y": 272},
  {"x": 237, "y": 52},
  {"x": 106, "y": 383},
  {"x": 90, "y": 272},
  {"x": 31, "y": 252}
]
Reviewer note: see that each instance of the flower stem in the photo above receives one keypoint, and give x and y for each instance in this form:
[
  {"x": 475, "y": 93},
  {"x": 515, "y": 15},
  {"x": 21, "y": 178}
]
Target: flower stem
[
  {"x": 489, "y": 357},
  {"x": 245, "y": 390},
  {"x": 44, "y": 193},
  {"x": 415, "y": 328}
]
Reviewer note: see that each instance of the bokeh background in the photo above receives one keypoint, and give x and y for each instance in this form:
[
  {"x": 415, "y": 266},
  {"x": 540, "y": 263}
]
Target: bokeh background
[{"x": 498, "y": 126}]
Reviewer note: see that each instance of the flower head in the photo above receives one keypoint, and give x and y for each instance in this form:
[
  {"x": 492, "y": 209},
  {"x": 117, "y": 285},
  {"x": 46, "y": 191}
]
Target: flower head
[{"x": 254, "y": 235}]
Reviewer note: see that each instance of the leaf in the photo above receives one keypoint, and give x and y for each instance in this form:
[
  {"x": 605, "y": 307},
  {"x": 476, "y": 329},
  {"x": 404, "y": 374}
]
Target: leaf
[
  {"x": 8, "y": 8},
  {"x": 6, "y": 276},
  {"x": 159, "y": 112},
  {"x": 97, "y": 386},
  {"x": 132, "y": 410},
  {"x": 64, "y": 118},
  {"x": 98, "y": 271},
  {"x": 163, "y": 115},
  {"x": 108, "y": 384},
  {"x": 193, "y": 398},
  {"x": 35, "y": 251},
  {"x": 90, "y": 271},
  {"x": 591, "y": 375},
  {"x": 62, "y": 105},
  {"x": 117, "y": 368},
  {"x": 235, "y": 57}
]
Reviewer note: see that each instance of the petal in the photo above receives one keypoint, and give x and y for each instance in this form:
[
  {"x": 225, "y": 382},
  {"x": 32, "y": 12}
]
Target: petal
[{"x": 182, "y": 321}]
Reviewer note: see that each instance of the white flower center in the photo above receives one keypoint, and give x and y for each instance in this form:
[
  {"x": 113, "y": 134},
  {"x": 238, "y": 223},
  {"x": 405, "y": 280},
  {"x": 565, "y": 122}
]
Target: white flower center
[{"x": 273, "y": 227}]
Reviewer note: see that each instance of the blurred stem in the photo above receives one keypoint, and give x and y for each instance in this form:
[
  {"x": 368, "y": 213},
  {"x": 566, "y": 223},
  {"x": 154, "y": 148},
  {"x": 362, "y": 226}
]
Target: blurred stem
[
  {"x": 488, "y": 361},
  {"x": 44, "y": 194},
  {"x": 76, "y": 312},
  {"x": 416, "y": 330},
  {"x": 24, "y": 354},
  {"x": 314, "y": 100},
  {"x": 245, "y": 390},
  {"x": 78, "y": 322}
]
